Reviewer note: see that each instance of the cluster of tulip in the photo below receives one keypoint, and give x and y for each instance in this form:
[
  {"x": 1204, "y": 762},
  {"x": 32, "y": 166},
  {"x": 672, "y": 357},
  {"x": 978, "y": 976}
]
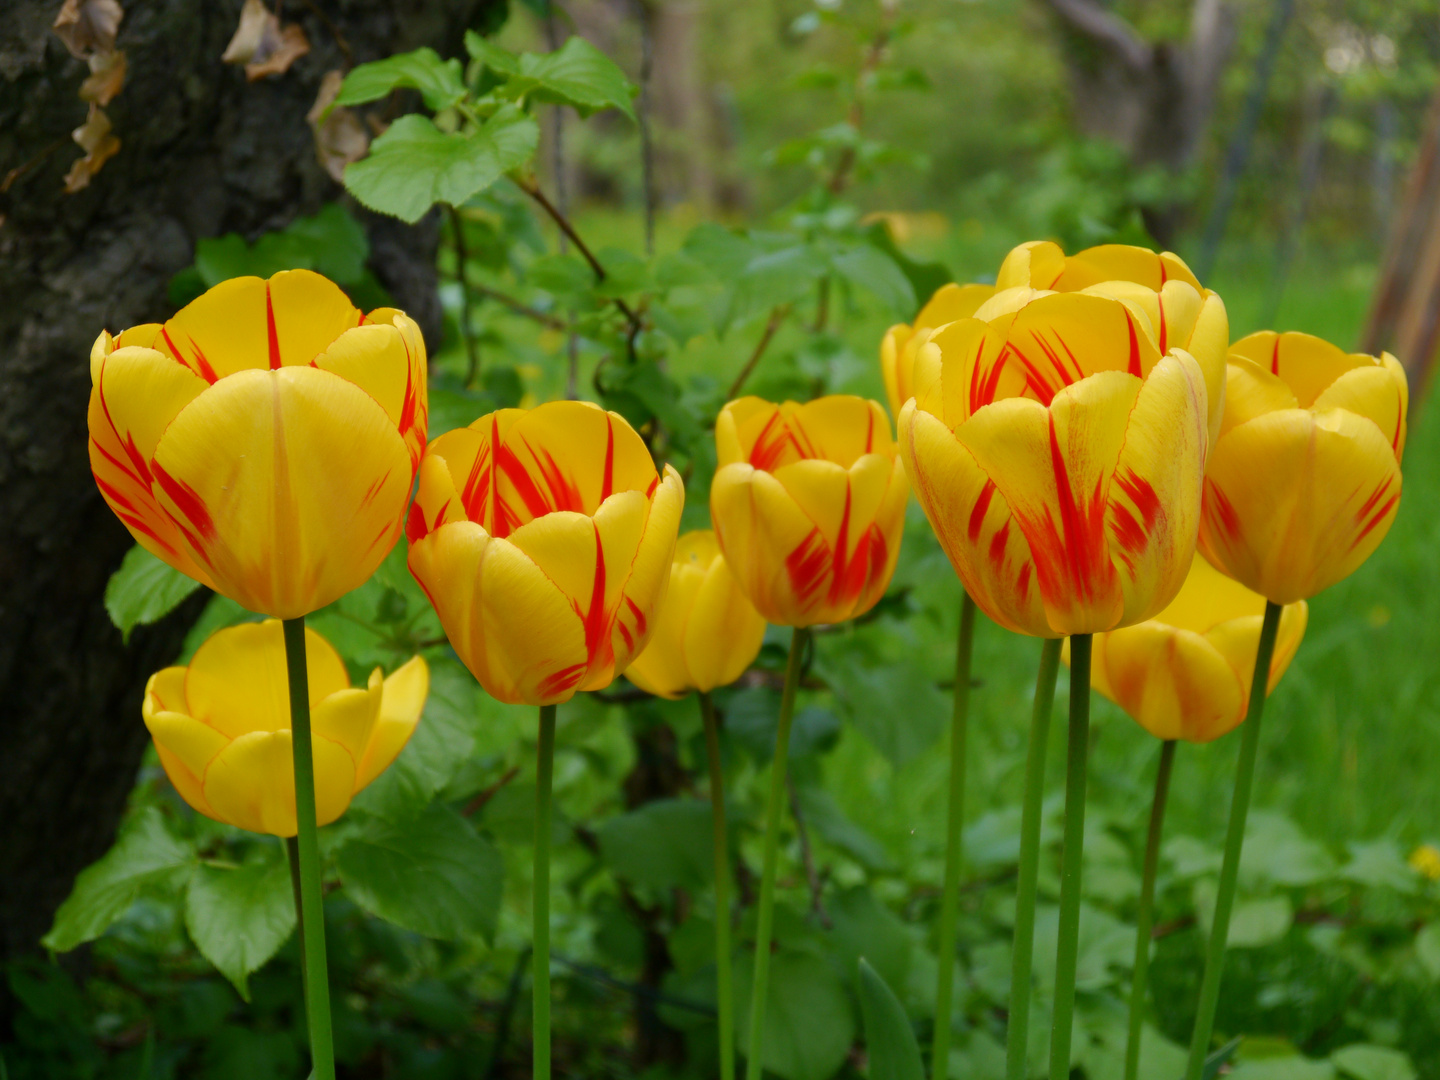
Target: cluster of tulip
[{"x": 1067, "y": 433}]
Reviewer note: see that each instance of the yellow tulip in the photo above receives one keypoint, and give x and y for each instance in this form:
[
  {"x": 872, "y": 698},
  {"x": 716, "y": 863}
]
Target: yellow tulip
[
  {"x": 263, "y": 441},
  {"x": 1304, "y": 481},
  {"x": 222, "y": 726},
  {"x": 809, "y": 505},
  {"x": 1185, "y": 674},
  {"x": 897, "y": 348},
  {"x": 544, "y": 539},
  {"x": 1058, "y": 456},
  {"x": 1182, "y": 313},
  {"x": 706, "y": 633}
]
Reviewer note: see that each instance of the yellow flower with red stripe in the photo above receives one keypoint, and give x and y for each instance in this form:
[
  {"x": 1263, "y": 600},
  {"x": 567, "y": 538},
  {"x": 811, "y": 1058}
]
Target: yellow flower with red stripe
[
  {"x": 221, "y": 726},
  {"x": 808, "y": 504},
  {"x": 543, "y": 538},
  {"x": 1185, "y": 674},
  {"x": 1182, "y": 313},
  {"x": 707, "y": 633},
  {"x": 897, "y": 347},
  {"x": 1058, "y": 455},
  {"x": 263, "y": 441},
  {"x": 1305, "y": 480}
]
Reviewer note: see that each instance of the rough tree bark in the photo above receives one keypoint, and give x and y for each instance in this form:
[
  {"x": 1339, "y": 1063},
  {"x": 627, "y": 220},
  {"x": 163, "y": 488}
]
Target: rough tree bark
[
  {"x": 202, "y": 153},
  {"x": 1153, "y": 98}
]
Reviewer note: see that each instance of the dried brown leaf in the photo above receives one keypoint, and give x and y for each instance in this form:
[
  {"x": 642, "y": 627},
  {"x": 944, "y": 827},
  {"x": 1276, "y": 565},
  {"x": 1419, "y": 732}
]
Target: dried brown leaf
[
  {"x": 340, "y": 138},
  {"x": 100, "y": 145},
  {"x": 277, "y": 52},
  {"x": 87, "y": 26},
  {"x": 255, "y": 19},
  {"x": 106, "y": 79}
]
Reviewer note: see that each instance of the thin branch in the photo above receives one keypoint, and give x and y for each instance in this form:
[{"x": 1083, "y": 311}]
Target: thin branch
[
  {"x": 518, "y": 307},
  {"x": 777, "y": 316},
  {"x": 24, "y": 167},
  {"x": 807, "y": 858},
  {"x": 335, "y": 33},
  {"x": 873, "y": 55},
  {"x": 475, "y": 805},
  {"x": 462, "y": 275},
  {"x": 562, "y": 198},
  {"x": 642, "y": 112}
]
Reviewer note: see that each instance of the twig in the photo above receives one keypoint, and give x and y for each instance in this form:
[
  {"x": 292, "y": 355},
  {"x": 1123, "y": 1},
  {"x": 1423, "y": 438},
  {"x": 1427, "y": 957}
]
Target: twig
[
  {"x": 476, "y": 804},
  {"x": 25, "y": 166},
  {"x": 647, "y": 146},
  {"x": 777, "y": 316},
  {"x": 519, "y": 308},
  {"x": 807, "y": 857},
  {"x": 340, "y": 41},
  {"x": 822, "y": 306},
  {"x": 841, "y": 176},
  {"x": 462, "y": 275}
]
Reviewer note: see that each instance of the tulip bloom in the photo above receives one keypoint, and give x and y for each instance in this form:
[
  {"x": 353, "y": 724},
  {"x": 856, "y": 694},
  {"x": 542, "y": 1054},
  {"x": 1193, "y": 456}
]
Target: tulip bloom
[
  {"x": 264, "y": 440},
  {"x": 1305, "y": 479},
  {"x": 1058, "y": 456},
  {"x": 809, "y": 505},
  {"x": 1186, "y": 673},
  {"x": 898, "y": 346},
  {"x": 706, "y": 633},
  {"x": 222, "y": 727},
  {"x": 1183, "y": 314},
  {"x": 543, "y": 539}
]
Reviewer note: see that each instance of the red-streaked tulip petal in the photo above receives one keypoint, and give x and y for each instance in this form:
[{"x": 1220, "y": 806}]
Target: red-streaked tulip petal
[
  {"x": 662, "y": 668},
  {"x": 1307, "y": 364},
  {"x": 1378, "y": 393},
  {"x": 649, "y": 576},
  {"x": 1060, "y": 339}
]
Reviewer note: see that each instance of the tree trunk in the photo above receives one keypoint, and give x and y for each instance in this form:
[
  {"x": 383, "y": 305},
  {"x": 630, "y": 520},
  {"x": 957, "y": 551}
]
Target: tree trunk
[{"x": 202, "y": 152}]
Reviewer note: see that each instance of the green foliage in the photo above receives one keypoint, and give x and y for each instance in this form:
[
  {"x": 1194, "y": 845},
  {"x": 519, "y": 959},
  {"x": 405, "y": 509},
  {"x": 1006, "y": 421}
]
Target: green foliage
[
  {"x": 576, "y": 74},
  {"x": 889, "y": 1038},
  {"x": 441, "y": 82},
  {"x": 144, "y": 590},
  {"x": 239, "y": 916}
]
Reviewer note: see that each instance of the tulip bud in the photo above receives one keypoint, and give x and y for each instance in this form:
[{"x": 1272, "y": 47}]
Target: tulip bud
[
  {"x": 1186, "y": 673},
  {"x": 1058, "y": 455},
  {"x": 222, "y": 726},
  {"x": 544, "y": 539},
  {"x": 706, "y": 632},
  {"x": 897, "y": 348},
  {"x": 809, "y": 505},
  {"x": 263, "y": 441},
  {"x": 1305, "y": 479}
]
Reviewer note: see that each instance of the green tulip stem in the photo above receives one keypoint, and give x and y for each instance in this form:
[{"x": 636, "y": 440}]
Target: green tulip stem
[
  {"x": 954, "y": 834},
  {"x": 312, "y": 912},
  {"x": 1023, "y": 945},
  {"x": 1068, "y": 947},
  {"x": 1145, "y": 919},
  {"x": 724, "y": 990},
  {"x": 1234, "y": 841},
  {"x": 540, "y": 950},
  {"x": 765, "y": 920}
]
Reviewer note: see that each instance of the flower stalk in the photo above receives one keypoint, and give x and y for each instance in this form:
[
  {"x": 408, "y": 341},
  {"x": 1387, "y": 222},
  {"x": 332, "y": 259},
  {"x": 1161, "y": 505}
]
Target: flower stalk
[
  {"x": 954, "y": 837},
  {"x": 540, "y": 938},
  {"x": 765, "y": 921},
  {"x": 1234, "y": 842},
  {"x": 312, "y": 913},
  {"x": 1023, "y": 950},
  {"x": 1144, "y": 920},
  {"x": 1068, "y": 947},
  {"x": 724, "y": 989}
]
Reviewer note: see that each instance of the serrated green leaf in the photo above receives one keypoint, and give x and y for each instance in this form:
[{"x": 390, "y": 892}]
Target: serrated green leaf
[
  {"x": 576, "y": 74},
  {"x": 889, "y": 1037},
  {"x": 144, "y": 590},
  {"x": 146, "y": 856},
  {"x": 431, "y": 874},
  {"x": 238, "y": 918},
  {"x": 498, "y": 59},
  {"x": 414, "y": 164},
  {"x": 440, "y": 82},
  {"x": 664, "y": 844}
]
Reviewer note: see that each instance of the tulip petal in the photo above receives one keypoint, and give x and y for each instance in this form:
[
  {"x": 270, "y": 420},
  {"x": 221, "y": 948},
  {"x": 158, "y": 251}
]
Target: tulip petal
[
  {"x": 289, "y": 486},
  {"x": 237, "y": 680},
  {"x": 1054, "y": 467},
  {"x": 251, "y": 783},
  {"x": 1122, "y": 262},
  {"x": 1307, "y": 364},
  {"x": 373, "y": 357},
  {"x": 401, "y": 705},
  {"x": 964, "y": 367},
  {"x": 482, "y": 589},
  {"x": 764, "y": 533},
  {"x": 414, "y": 424},
  {"x": 724, "y": 633},
  {"x": 189, "y": 744},
  {"x": 1154, "y": 500},
  {"x": 973, "y": 523},
  {"x": 663, "y": 666},
  {"x": 165, "y": 692},
  {"x": 1060, "y": 339},
  {"x": 1037, "y": 264},
  {"x": 347, "y": 717},
  {"x": 1238, "y": 640},
  {"x": 1295, "y": 501},
  {"x": 649, "y": 577},
  {"x": 1252, "y": 391},
  {"x": 1375, "y": 393},
  {"x": 1209, "y": 598},
  {"x": 1174, "y": 683}
]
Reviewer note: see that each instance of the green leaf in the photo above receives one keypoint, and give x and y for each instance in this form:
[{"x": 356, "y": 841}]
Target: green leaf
[
  {"x": 889, "y": 1038},
  {"x": 440, "y": 82},
  {"x": 1362, "y": 1061},
  {"x": 869, "y": 268},
  {"x": 1380, "y": 864},
  {"x": 664, "y": 844},
  {"x": 1291, "y": 1067},
  {"x": 1253, "y": 923},
  {"x": 414, "y": 164},
  {"x": 238, "y": 918},
  {"x": 331, "y": 242},
  {"x": 772, "y": 278},
  {"x": 576, "y": 74},
  {"x": 809, "y": 1021},
  {"x": 1277, "y": 851},
  {"x": 144, "y": 590},
  {"x": 823, "y": 814},
  {"x": 864, "y": 927},
  {"x": 1427, "y": 948},
  {"x": 431, "y": 874},
  {"x": 893, "y": 705},
  {"x": 145, "y": 857}
]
